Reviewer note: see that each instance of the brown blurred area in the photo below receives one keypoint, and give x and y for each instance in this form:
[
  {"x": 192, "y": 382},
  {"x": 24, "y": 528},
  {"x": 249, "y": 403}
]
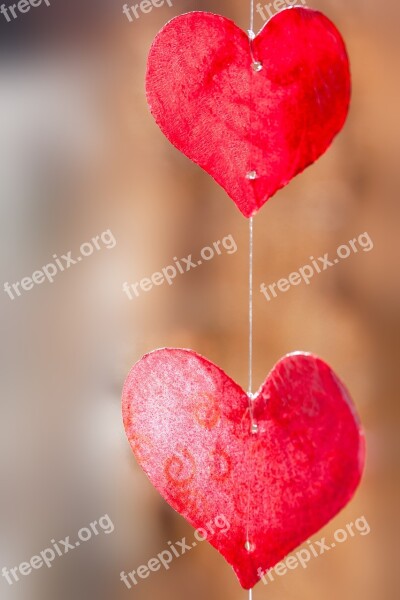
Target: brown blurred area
[{"x": 80, "y": 154}]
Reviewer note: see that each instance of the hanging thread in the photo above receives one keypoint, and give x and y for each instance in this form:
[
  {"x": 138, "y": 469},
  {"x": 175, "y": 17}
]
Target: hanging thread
[
  {"x": 251, "y": 16},
  {"x": 251, "y": 175},
  {"x": 250, "y": 385},
  {"x": 253, "y": 425}
]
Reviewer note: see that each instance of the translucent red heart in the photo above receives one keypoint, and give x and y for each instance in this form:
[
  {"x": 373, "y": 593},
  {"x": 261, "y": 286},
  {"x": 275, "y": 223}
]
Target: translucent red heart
[
  {"x": 251, "y": 114},
  {"x": 189, "y": 425}
]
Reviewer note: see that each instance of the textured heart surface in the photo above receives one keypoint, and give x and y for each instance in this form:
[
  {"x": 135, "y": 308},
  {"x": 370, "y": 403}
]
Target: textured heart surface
[
  {"x": 252, "y": 114},
  {"x": 276, "y": 484}
]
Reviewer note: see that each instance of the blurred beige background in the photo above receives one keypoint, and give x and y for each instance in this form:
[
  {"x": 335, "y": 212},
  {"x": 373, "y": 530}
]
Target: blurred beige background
[{"x": 80, "y": 154}]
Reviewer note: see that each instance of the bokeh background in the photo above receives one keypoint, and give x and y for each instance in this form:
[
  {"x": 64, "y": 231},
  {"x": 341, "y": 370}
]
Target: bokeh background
[{"x": 80, "y": 154}]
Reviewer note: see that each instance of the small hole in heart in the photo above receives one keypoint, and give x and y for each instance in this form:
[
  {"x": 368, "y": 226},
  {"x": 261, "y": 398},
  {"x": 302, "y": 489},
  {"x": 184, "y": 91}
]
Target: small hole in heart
[
  {"x": 254, "y": 428},
  {"x": 251, "y": 175},
  {"x": 249, "y": 546},
  {"x": 256, "y": 66}
]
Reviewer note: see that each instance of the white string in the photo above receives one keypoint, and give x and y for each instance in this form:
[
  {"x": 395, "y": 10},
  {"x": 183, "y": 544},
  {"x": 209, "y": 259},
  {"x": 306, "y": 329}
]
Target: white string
[
  {"x": 250, "y": 360},
  {"x": 250, "y": 386},
  {"x": 251, "y": 15},
  {"x": 250, "y": 306}
]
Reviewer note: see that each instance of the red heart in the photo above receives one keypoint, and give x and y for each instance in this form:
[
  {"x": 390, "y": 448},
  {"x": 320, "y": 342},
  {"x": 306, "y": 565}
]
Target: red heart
[
  {"x": 238, "y": 123},
  {"x": 189, "y": 426}
]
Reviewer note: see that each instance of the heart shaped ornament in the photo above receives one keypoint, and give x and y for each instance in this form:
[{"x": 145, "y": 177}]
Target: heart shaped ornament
[
  {"x": 273, "y": 474},
  {"x": 252, "y": 113}
]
